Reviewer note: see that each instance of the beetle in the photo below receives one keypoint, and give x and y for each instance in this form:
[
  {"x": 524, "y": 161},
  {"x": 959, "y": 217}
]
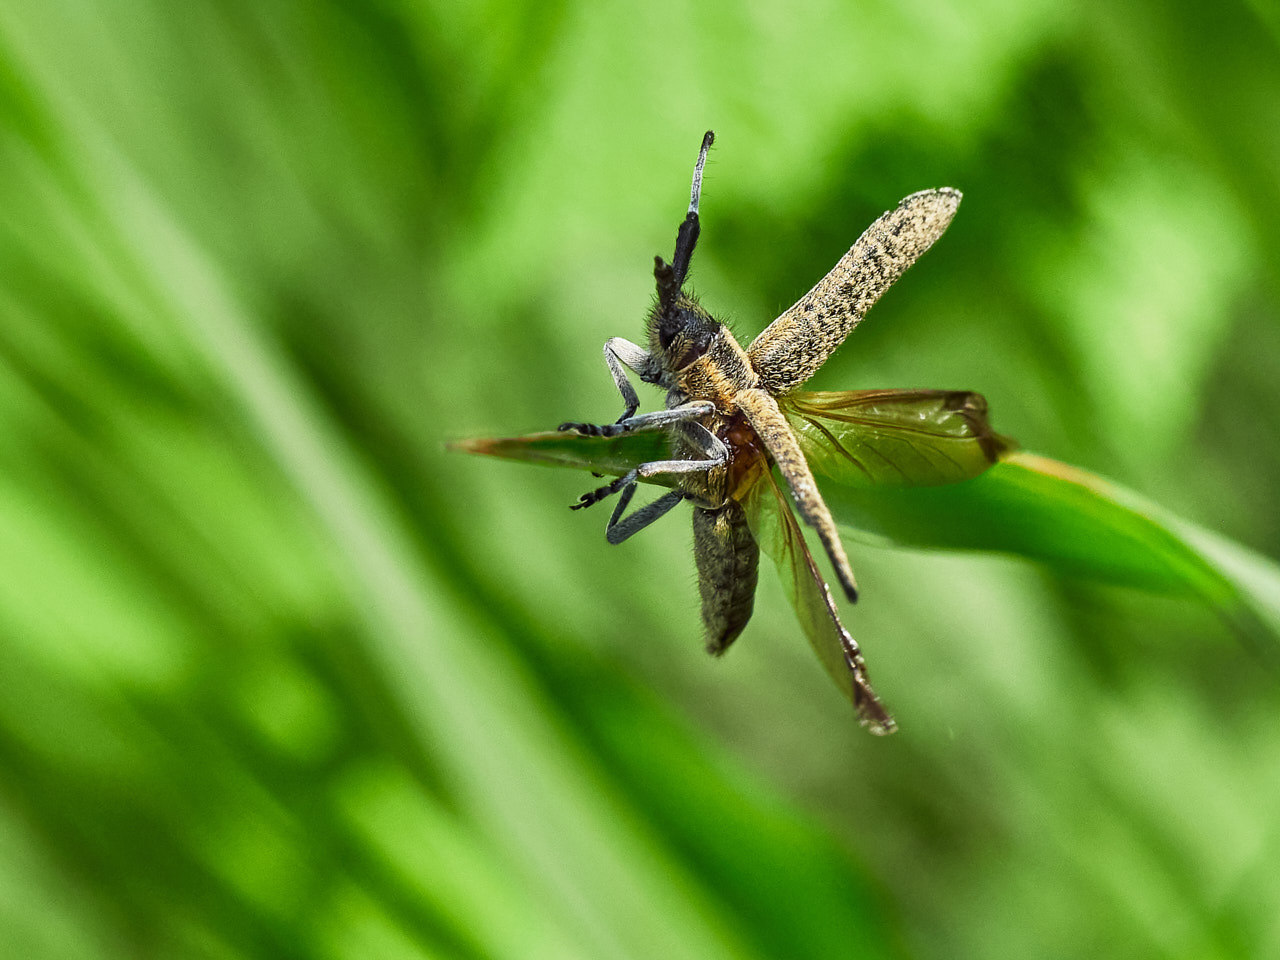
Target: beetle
[{"x": 733, "y": 415}]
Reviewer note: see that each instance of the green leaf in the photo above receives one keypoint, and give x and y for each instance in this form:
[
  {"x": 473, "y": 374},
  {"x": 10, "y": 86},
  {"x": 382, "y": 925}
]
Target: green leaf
[
  {"x": 1041, "y": 509},
  {"x": 609, "y": 455},
  {"x": 1027, "y": 505},
  {"x": 1079, "y": 524}
]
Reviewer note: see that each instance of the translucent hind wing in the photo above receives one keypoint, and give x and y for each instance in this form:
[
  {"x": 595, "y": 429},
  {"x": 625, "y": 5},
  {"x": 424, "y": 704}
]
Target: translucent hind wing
[
  {"x": 775, "y": 530},
  {"x": 762, "y": 412},
  {"x": 894, "y": 438}
]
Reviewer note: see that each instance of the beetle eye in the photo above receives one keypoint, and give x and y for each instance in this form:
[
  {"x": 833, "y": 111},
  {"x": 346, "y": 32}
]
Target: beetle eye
[
  {"x": 697, "y": 340},
  {"x": 692, "y": 353},
  {"x": 682, "y": 334}
]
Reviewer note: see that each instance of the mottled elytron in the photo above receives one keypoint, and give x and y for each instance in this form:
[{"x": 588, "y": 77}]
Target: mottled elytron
[{"x": 730, "y": 415}]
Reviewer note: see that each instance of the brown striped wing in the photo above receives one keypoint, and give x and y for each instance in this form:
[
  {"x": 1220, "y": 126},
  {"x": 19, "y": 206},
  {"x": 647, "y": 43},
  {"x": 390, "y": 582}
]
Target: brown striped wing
[
  {"x": 775, "y": 530},
  {"x": 794, "y": 346},
  {"x": 900, "y": 438}
]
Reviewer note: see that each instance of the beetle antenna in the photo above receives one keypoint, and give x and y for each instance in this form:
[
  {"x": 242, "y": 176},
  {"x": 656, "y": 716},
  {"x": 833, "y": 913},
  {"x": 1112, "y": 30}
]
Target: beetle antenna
[
  {"x": 668, "y": 285},
  {"x": 695, "y": 194},
  {"x": 687, "y": 237}
]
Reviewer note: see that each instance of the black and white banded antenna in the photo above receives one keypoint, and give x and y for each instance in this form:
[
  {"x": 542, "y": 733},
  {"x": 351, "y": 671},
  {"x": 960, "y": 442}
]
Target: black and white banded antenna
[{"x": 687, "y": 237}]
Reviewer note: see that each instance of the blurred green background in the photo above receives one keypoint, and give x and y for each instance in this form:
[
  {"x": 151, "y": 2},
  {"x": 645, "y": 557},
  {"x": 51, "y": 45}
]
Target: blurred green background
[{"x": 280, "y": 678}]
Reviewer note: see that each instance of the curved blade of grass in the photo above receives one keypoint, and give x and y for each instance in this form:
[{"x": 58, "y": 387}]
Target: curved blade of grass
[
  {"x": 1079, "y": 524},
  {"x": 1026, "y": 505},
  {"x": 1039, "y": 508}
]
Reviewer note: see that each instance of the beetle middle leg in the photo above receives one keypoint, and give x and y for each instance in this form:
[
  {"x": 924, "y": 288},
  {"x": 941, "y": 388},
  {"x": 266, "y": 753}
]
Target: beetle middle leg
[
  {"x": 705, "y": 442},
  {"x": 646, "y": 421}
]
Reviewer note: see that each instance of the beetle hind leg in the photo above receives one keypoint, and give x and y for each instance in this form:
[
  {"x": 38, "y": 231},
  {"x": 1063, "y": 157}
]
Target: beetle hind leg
[{"x": 622, "y": 528}]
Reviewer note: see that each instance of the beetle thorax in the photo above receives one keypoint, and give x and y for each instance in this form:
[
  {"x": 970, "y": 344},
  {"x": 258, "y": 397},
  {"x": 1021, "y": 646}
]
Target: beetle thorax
[{"x": 719, "y": 375}]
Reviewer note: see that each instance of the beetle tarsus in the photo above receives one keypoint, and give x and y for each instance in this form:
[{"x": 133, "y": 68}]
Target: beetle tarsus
[
  {"x": 586, "y": 429},
  {"x": 600, "y": 493},
  {"x": 596, "y": 429}
]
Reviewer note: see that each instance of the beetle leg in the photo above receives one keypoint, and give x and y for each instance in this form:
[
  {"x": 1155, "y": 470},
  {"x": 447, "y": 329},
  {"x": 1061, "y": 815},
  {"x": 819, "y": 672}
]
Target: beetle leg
[
  {"x": 708, "y": 444},
  {"x": 772, "y": 428},
  {"x": 646, "y": 421},
  {"x": 617, "y": 353},
  {"x": 621, "y": 529}
]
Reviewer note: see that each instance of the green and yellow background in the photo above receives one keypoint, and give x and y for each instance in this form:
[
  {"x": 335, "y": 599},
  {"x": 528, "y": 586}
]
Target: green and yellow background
[{"x": 280, "y": 677}]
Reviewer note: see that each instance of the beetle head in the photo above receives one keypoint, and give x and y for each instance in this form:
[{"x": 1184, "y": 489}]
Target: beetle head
[{"x": 680, "y": 331}]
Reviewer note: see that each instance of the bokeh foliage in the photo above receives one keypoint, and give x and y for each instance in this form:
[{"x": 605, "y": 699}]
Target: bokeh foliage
[{"x": 278, "y": 677}]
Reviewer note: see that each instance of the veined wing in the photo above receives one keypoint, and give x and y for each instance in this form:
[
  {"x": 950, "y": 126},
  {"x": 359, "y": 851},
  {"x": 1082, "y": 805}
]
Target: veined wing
[
  {"x": 794, "y": 346},
  {"x": 775, "y": 529},
  {"x": 902, "y": 438}
]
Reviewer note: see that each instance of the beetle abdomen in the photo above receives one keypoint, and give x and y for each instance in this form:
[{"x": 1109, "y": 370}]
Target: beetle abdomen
[{"x": 728, "y": 564}]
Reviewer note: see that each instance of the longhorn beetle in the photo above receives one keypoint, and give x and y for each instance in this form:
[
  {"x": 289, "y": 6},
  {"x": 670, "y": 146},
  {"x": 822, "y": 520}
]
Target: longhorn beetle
[{"x": 730, "y": 415}]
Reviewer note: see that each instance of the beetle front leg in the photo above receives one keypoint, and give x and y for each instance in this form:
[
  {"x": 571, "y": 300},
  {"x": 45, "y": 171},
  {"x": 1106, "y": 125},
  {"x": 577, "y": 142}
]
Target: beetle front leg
[
  {"x": 620, "y": 354},
  {"x": 617, "y": 353}
]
